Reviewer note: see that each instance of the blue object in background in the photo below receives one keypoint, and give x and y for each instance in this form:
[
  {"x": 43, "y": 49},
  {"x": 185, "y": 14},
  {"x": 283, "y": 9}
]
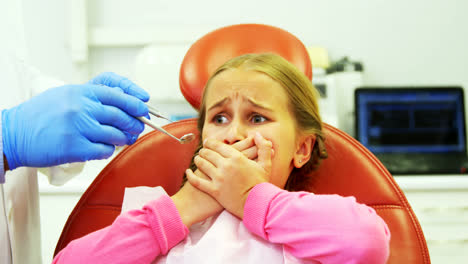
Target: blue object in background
[{"x": 175, "y": 118}]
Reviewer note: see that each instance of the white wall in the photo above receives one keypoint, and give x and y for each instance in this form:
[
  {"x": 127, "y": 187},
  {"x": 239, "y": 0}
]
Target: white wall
[
  {"x": 399, "y": 42},
  {"x": 46, "y": 30}
]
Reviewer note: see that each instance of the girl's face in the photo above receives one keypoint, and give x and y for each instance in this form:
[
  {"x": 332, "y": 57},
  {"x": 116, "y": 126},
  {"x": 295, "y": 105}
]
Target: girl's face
[{"x": 241, "y": 102}]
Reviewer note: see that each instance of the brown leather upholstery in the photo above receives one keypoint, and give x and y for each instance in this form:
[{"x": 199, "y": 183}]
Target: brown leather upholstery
[{"x": 155, "y": 159}]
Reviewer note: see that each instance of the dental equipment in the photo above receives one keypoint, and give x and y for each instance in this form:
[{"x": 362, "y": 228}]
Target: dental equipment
[
  {"x": 156, "y": 113},
  {"x": 184, "y": 139}
]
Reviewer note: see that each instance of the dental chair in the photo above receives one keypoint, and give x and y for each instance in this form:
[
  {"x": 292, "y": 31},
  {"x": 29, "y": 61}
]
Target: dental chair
[{"x": 156, "y": 159}]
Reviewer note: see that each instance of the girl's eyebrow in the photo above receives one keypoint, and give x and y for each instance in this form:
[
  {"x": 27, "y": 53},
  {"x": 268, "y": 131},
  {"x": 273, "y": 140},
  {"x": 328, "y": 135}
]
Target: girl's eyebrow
[
  {"x": 220, "y": 103},
  {"x": 251, "y": 101},
  {"x": 259, "y": 105}
]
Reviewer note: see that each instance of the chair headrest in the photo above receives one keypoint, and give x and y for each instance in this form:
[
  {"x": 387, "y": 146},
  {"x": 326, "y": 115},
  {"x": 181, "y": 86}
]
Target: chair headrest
[{"x": 217, "y": 47}]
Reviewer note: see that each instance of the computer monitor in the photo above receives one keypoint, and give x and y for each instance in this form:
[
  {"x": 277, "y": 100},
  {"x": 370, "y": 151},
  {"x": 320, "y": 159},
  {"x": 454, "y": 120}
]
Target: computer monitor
[{"x": 410, "y": 119}]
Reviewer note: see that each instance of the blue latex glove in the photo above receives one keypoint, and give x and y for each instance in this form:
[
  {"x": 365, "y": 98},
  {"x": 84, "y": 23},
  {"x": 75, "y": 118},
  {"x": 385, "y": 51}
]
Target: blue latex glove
[{"x": 74, "y": 122}]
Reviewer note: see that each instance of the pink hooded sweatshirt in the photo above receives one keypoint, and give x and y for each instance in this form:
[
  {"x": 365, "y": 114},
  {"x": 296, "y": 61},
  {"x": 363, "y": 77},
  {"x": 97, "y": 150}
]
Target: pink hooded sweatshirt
[{"x": 317, "y": 228}]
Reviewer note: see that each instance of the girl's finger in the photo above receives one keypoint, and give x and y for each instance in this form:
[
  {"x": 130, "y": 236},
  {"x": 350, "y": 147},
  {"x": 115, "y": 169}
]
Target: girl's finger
[
  {"x": 205, "y": 166},
  {"x": 202, "y": 175},
  {"x": 264, "y": 151},
  {"x": 199, "y": 183},
  {"x": 251, "y": 153},
  {"x": 225, "y": 150},
  {"x": 211, "y": 156},
  {"x": 244, "y": 144}
]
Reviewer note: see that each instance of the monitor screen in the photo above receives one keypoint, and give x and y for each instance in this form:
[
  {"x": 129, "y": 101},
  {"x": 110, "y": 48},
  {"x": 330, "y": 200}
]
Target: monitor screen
[{"x": 420, "y": 120}]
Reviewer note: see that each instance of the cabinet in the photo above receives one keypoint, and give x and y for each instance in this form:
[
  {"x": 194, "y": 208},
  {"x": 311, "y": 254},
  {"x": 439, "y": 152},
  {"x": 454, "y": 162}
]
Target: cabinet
[
  {"x": 55, "y": 209},
  {"x": 441, "y": 205}
]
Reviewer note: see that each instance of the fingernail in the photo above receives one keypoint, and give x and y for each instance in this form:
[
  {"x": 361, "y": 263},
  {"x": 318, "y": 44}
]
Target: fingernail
[{"x": 204, "y": 141}]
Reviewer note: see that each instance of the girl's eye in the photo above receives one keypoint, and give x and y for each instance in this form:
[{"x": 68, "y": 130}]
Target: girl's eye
[
  {"x": 258, "y": 119},
  {"x": 220, "y": 119}
]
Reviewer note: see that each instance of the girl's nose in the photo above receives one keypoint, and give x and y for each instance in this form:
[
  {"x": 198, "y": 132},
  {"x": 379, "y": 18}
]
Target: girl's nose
[{"x": 235, "y": 133}]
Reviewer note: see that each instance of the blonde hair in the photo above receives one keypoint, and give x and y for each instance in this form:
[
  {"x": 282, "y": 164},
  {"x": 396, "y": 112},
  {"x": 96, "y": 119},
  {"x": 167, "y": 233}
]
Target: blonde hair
[{"x": 302, "y": 102}]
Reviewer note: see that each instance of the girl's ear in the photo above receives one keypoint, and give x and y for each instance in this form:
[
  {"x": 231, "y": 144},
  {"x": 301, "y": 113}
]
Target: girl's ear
[{"x": 304, "y": 150}]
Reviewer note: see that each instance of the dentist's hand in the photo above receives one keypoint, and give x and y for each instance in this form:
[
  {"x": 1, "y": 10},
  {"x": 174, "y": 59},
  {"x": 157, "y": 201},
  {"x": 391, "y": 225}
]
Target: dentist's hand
[{"x": 74, "y": 123}]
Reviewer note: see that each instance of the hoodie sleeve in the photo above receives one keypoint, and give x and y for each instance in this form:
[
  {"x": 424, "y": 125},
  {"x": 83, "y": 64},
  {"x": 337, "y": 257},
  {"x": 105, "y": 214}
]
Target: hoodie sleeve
[
  {"x": 137, "y": 236},
  {"x": 323, "y": 228}
]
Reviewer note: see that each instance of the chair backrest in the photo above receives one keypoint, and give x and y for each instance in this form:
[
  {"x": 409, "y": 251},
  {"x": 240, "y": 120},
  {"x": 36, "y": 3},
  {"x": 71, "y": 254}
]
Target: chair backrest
[
  {"x": 157, "y": 160},
  {"x": 217, "y": 47}
]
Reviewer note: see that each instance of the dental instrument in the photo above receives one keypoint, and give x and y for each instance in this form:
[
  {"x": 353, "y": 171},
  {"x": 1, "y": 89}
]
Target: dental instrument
[
  {"x": 156, "y": 113},
  {"x": 182, "y": 140}
]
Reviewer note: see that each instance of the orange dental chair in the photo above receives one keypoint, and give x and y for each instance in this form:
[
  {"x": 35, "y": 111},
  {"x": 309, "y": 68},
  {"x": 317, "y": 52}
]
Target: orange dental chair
[{"x": 155, "y": 159}]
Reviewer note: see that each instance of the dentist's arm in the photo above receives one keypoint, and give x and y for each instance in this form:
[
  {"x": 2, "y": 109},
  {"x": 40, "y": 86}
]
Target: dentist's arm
[
  {"x": 73, "y": 123},
  {"x": 3, "y": 163}
]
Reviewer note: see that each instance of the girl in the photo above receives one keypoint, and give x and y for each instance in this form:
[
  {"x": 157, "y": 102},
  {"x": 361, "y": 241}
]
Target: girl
[{"x": 244, "y": 202}]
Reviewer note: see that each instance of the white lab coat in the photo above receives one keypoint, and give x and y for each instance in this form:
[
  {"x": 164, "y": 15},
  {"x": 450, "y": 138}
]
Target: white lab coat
[
  {"x": 19, "y": 201},
  {"x": 20, "y": 237}
]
